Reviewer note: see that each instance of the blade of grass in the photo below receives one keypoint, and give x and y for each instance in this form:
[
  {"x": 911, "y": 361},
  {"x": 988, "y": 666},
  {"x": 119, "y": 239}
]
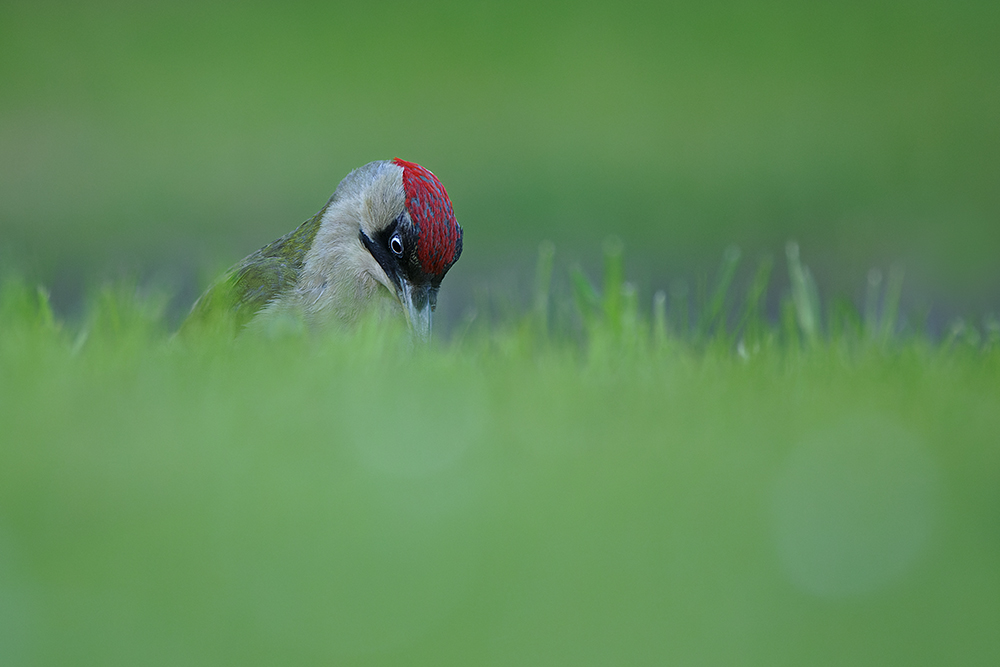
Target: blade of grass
[
  {"x": 543, "y": 284},
  {"x": 614, "y": 280},
  {"x": 751, "y": 321},
  {"x": 680, "y": 307},
  {"x": 789, "y": 323},
  {"x": 659, "y": 319},
  {"x": 872, "y": 294},
  {"x": 588, "y": 302},
  {"x": 890, "y": 303},
  {"x": 630, "y": 316},
  {"x": 713, "y": 319},
  {"x": 805, "y": 296}
]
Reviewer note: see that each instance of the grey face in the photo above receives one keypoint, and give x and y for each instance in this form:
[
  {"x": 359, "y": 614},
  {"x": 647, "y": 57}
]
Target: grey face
[{"x": 395, "y": 249}]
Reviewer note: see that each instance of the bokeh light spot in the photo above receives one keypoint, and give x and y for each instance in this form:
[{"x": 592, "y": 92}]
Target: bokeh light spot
[{"x": 853, "y": 507}]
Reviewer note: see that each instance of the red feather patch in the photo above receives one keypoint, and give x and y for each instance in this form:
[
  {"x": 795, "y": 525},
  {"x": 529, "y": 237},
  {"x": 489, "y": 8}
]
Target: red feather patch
[{"x": 430, "y": 209}]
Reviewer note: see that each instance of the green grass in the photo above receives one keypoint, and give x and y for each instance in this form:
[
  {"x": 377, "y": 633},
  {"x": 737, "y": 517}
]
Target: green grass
[{"x": 592, "y": 480}]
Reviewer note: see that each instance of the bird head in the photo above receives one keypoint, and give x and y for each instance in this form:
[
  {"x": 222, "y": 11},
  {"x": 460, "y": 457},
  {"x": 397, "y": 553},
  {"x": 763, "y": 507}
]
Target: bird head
[{"x": 409, "y": 228}]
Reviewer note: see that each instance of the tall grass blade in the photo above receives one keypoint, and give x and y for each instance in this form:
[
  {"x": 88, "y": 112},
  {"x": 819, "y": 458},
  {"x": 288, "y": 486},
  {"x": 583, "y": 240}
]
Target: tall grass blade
[
  {"x": 751, "y": 321},
  {"x": 790, "y": 324},
  {"x": 614, "y": 280},
  {"x": 713, "y": 319},
  {"x": 680, "y": 307},
  {"x": 805, "y": 296},
  {"x": 25, "y": 308},
  {"x": 872, "y": 294},
  {"x": 588, "y": 302},
  {"x": 630, "y": 316},
  {"x": 119, "y": 313},
  {"x": 890, "y": 303},
  {"x": 543, "y": 285},
  {"x": 845, "y": 321},
  {"x": 660, "y": 319}
]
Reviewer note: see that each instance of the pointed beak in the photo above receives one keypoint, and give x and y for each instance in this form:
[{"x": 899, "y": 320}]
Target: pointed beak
[{"x": 417, "y": 301}]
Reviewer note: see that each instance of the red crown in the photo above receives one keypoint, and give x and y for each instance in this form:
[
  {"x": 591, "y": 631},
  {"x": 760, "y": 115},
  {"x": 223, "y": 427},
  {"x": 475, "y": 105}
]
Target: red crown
[{"x": 430, "y": 209}]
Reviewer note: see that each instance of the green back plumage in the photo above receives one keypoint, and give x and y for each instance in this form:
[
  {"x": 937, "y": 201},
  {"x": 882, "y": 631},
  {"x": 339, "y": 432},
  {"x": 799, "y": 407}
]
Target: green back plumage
[{"x": 255, "y": 281}]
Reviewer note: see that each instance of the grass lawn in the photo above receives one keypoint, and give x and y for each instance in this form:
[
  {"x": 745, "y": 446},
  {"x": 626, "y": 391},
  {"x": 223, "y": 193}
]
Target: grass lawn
[{"x": 610, "y": 487}]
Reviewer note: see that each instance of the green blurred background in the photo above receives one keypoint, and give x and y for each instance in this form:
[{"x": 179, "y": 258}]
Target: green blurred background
[{"x": 166, "y": 140}]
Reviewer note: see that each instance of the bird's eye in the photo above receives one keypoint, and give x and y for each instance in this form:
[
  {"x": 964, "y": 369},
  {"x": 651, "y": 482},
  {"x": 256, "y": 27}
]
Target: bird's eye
[{"x": 396, "y": 245}]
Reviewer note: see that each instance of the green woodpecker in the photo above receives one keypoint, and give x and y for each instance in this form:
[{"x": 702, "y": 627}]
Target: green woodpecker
[{"x": 384, "y": 240}]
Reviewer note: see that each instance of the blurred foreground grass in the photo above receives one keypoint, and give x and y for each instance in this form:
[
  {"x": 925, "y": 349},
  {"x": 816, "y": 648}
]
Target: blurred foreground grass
[{"x": 615, "y": 487}]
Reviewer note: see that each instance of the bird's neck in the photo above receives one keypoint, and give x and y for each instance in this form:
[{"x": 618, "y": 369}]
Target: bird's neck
[{"x": 340, "y": 278}]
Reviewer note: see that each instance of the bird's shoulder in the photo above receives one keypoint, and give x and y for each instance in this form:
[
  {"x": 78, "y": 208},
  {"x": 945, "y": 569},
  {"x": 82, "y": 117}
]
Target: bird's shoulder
[{"x": 256, "y": 281}]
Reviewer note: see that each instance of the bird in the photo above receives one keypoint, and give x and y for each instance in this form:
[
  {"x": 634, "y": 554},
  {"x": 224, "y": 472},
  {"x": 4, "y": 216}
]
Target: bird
[{"x": 383, "y": 242}]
